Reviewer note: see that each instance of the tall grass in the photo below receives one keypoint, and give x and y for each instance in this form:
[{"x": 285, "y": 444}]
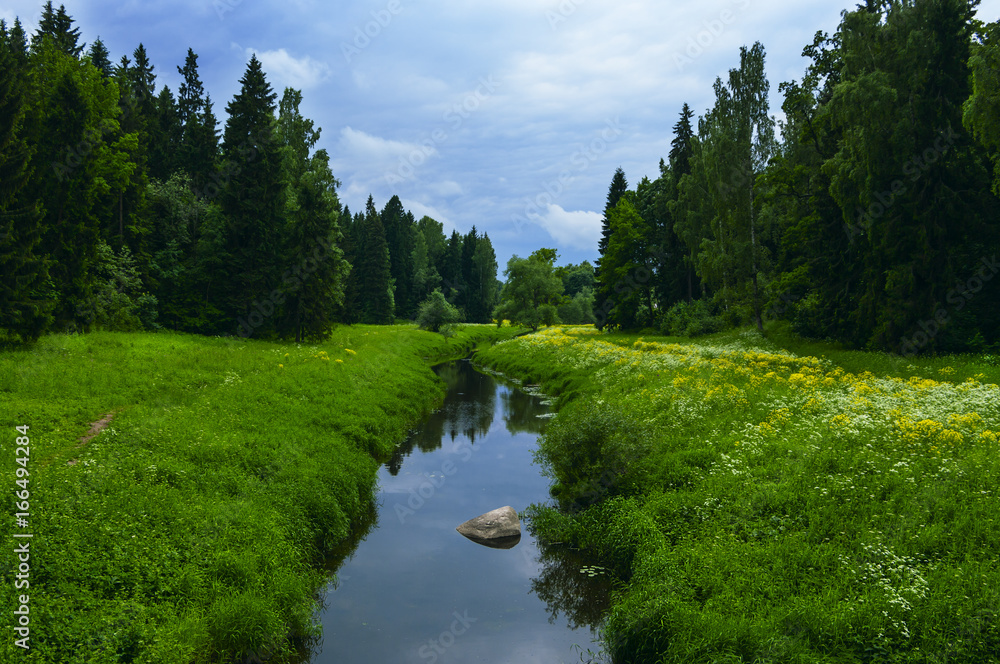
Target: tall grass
[
  {"x": 762, "y": 506},
  {"x": 189, "y": 530}
]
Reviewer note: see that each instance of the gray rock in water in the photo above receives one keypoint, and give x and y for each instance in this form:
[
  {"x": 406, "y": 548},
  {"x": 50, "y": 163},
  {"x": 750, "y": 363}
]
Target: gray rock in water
[{"x": 498, "y": 528}]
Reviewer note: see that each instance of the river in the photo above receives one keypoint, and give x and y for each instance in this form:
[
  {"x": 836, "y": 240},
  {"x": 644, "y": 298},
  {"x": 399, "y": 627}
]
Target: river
[{"x": 411, "y": 589}]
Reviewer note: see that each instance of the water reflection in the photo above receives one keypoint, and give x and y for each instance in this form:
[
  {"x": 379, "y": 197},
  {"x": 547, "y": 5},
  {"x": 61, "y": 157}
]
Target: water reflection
[
  {"x": 400, "y": 593},
  {"x": 521, "y": 412},
  {"x": 468, "y": 411},
  {"x": 570, "y": 585}
]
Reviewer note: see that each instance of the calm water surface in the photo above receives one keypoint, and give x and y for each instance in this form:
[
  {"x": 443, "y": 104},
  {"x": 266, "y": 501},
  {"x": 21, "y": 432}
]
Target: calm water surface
[{"x": 412, "y": 589}]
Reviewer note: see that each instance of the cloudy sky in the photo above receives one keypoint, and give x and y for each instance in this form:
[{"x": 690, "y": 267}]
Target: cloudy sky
[{"x": 511, "y": 116}]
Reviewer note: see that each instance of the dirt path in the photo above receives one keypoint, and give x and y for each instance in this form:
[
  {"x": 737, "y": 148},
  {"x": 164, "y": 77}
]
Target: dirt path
[{"x": 95, "y": 428}]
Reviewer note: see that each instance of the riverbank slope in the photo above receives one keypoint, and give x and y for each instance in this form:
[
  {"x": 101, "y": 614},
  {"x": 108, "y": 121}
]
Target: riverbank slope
[
  {"x": 757, "y": 505},
  {"x": 182, "y": 489}
]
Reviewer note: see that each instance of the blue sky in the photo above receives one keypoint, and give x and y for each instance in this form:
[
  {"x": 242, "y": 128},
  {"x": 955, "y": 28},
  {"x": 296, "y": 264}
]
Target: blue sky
[{"x": 510, "y": 116}]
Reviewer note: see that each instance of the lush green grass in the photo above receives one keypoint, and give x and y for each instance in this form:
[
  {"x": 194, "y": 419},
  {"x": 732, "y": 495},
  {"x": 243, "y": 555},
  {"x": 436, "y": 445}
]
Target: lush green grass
[
  {"x": 760, "y": 506},
  {"x": 189, "y": 529}
]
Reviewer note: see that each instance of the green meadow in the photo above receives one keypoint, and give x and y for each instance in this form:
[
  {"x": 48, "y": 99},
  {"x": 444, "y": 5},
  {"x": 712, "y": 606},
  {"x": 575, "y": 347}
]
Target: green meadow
[
  {"x": 772, "y": 499},
  {"x": 193, "y": 527}
]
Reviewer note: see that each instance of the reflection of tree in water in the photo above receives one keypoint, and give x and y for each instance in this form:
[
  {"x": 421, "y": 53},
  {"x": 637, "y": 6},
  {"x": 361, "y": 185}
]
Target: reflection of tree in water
[
  {"x": 468, "y": 410},
  {"x": 521, "y": 411},
  {"x": 584, "y": 597}
]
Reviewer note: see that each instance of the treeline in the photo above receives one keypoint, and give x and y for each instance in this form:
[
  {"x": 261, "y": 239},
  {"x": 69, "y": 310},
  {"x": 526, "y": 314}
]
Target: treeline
[
  {"x": 123, "y": 206},
  {"x": 868, "y": 216}
]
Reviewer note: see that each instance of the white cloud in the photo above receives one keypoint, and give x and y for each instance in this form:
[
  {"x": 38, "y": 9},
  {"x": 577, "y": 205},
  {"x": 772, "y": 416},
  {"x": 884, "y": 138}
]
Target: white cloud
[
  {"x": 285, "y": 70},
  {"x": 579, "y": 229},
  {"x": 446, "y": 188},
  {"x": 356, "y": 144},
  {"x": 420, "y": 210}
]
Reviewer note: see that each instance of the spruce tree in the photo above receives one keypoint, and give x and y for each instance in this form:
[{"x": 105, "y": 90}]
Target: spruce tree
[
  {"x": 450, "y": 268},
  {"x": 315, "y": 272},
  {"x": 57, "y": 25},
  {"x": 251, "y": 201},
  {"x": 98, "y": 55},
  {"x": 487, "y": 287},
  {"x": 374, "y": 277},
  {"x": 199, "y": 143},
  {"x": 399, "y": 230},
  {"x": 24, "y": 302},
  {"x": 163, "y": 159},
  {"x": 616, "y": 190},
  {"x": 680, "y": 146}
]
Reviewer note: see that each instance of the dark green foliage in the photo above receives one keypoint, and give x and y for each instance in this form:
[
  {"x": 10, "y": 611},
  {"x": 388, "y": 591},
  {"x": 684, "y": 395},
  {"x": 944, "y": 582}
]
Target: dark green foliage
[
  {"x": 98, "y": 55},
  {"x": 624, "y": 292},
  {"x": 373, "y": 269},
  {"x": 198, "y": 146},
  {"x": 450, "y": 267},
  {"x": 871, "y": 221},
  {"x": 57, "y": 26},
  {"x": 91, "y": 152},
  {"x": 80, "y": 161},
  {"x": 618, "y": 187},
  {"x": 163, "y": 156},
  {"x": 118, "y": 302},
  {"x": 251, "y": 201},
  {"x": 400, "y": 229},
  {"x": 680, "y": 146},
  {"x": 981, "y": 113},
  {"x": 25, "y": 302},
  {"x": 314, "y": 277},
  {"x": 692, "y": 319},
  {"x": 591, "y": 454}
]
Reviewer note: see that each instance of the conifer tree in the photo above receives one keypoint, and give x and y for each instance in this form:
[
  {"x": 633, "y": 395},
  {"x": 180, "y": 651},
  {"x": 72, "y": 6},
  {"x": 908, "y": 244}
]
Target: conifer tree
[
  {"x": 399, "y": 230},
  {"x": 374, "y": 277},
  {"x": 57, "y": 25},
  {"x": 98, "y": 55},
  {"x": 619, "y": 185},
  {"x": 24, "y": 301},
  {"x": 251, "y": 201},
  {"x": 680, "y": 146},
  {"x": 314, "y": 277},
  {"x": 199, "y": 143},
  {"x": 163, "y": 159}
]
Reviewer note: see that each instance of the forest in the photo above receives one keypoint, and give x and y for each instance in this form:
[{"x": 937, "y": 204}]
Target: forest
[
  {"x": 868, "y": 215},
  {"x": 126, "y": 207}
]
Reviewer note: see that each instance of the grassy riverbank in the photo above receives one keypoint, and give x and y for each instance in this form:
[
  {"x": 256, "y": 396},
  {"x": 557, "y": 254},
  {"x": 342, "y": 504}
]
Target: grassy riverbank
[
  {"x": 188, "y": 530},
  {"x": 759, "y": 506}
]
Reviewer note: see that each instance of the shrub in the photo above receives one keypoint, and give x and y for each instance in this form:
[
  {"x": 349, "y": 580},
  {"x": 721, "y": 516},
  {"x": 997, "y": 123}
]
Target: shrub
[
  {"x": 436, "y": 312},
  {"x": 691, "y": 319}
]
